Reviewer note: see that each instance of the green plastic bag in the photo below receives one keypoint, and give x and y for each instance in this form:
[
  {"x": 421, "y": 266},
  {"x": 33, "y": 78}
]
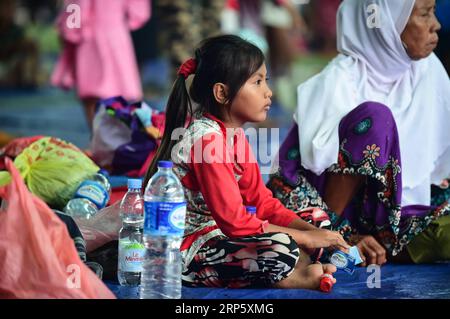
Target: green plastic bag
[{"x": 52, "y": 170}]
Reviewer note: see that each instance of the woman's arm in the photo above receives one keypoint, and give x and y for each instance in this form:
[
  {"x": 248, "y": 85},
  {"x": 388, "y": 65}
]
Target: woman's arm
[
  {"x": 313, "y": 238},
  {"x": 300, "y": 224}
]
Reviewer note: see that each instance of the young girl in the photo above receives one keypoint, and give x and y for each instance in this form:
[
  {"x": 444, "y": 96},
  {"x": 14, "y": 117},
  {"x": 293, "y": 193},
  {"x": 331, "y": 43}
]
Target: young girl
[{"x": 223, "y": 245}]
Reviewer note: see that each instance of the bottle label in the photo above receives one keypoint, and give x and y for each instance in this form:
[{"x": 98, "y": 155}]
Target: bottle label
[
  {"x": 163, "y": 218},
  {"x": 94, "y": 192},
  {"x": 343, "y": 261},
  {"x": 131, "y": 255}
]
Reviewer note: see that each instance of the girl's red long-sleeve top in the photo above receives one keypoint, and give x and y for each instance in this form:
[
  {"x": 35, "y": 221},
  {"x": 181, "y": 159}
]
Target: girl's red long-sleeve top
[{"x": 228, "y": 178}]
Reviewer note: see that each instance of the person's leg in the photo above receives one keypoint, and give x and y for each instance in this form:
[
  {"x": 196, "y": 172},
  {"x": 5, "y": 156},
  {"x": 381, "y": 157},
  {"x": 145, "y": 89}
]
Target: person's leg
[
  {"x": 178, "y": 30},
  {"x": 443, "y": 238},
  {"x": 340, "y": 190},
  {"x": 27, "y": 67},
  {"x": 266, "y": 260},
  {"x": 281, "y": 50},
  {"x": 89, "y": 109},
  {"x": 433, "y": 244},
  {"x": 210, "y": 21}
]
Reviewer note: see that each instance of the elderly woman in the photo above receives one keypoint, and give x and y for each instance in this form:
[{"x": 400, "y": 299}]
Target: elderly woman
[{"x": 371, "y": 134}]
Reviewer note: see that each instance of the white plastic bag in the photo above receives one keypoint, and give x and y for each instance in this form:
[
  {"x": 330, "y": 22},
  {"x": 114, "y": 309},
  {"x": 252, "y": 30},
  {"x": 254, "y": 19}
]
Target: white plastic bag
[{"x": 109, "y": 134}]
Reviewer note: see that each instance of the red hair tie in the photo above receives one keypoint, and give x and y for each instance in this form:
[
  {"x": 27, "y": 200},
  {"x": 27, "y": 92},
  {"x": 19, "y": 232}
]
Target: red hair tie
[{"x": 187, "y": 68}]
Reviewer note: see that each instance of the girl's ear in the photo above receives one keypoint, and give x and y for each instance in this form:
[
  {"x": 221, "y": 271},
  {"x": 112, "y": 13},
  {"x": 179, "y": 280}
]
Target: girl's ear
[{"x": 220, "y": 92}]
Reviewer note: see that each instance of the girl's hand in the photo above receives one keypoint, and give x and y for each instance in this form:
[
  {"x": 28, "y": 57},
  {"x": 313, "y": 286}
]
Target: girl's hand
[
  {"x": 322, "y": 238},
  {"x": 371, "y": 251}
]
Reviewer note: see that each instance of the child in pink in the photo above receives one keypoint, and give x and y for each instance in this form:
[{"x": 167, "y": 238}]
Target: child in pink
[{"x": 98, "y": 57}]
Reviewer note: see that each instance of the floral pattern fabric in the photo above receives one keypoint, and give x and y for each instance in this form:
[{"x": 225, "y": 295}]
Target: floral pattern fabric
[{"x": 369, "y": 147}]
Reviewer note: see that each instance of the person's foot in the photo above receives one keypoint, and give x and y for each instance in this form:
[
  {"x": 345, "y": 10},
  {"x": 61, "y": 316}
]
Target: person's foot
[
  {"x": 312, "y": 275},
  {"x": 307, "y": 277}
]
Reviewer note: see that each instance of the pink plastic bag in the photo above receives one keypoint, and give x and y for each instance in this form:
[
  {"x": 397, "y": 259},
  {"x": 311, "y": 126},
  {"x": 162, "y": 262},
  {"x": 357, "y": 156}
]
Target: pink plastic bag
[{"x": 38, "y": 258}]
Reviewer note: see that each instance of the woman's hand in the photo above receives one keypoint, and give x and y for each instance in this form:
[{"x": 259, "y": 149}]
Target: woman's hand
[
  {"x": 371, "y": 251},
  {"x": 322, "y": 238}
]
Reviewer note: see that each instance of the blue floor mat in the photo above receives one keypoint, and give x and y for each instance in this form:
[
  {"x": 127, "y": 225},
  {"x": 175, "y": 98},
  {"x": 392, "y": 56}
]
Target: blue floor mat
[{"x": 397, "y": 282}]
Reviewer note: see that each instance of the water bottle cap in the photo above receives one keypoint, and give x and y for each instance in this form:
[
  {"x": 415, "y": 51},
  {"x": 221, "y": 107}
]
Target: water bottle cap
[
  {"x": 251, "y": 209},
  {"x": 134, "y": 183},
  {"x": 104, "y": 172},
  {"x": 165, "y": 164}
]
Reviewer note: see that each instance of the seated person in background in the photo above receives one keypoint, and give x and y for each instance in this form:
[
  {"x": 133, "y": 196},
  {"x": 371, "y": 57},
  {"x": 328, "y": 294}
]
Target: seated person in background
[{"x": 19, "y": 56}]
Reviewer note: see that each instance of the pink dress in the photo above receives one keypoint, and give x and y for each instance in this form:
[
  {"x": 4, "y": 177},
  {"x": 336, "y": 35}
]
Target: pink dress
[{"x": 98, "y": 58}]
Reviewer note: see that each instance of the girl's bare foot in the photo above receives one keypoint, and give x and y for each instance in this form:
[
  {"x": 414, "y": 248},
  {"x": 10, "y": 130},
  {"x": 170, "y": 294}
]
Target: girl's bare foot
[{"x": 306, "y": 275}]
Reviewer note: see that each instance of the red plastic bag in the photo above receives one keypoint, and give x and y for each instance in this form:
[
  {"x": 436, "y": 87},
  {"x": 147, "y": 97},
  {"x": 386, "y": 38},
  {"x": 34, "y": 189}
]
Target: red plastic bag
[
  {"x": 38, "y": 258},
  {"x": 17, "y": 145}
]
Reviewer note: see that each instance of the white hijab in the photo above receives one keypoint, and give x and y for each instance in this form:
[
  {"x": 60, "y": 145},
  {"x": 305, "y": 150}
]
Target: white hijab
[{"x": 373, "y": 66}]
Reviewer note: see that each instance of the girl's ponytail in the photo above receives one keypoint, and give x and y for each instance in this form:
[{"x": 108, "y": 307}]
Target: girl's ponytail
[{"x": 177, "y": 110}]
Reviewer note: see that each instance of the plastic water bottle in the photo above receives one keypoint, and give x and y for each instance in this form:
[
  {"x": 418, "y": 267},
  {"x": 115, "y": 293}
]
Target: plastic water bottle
[
  {"x": 102, "y": 177},
  {"x": 91, "y": 196},
  {"x": 250, "y": 210},
  {"x": 165, "y": 210},
  {"x": 131, "y": 247}
]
